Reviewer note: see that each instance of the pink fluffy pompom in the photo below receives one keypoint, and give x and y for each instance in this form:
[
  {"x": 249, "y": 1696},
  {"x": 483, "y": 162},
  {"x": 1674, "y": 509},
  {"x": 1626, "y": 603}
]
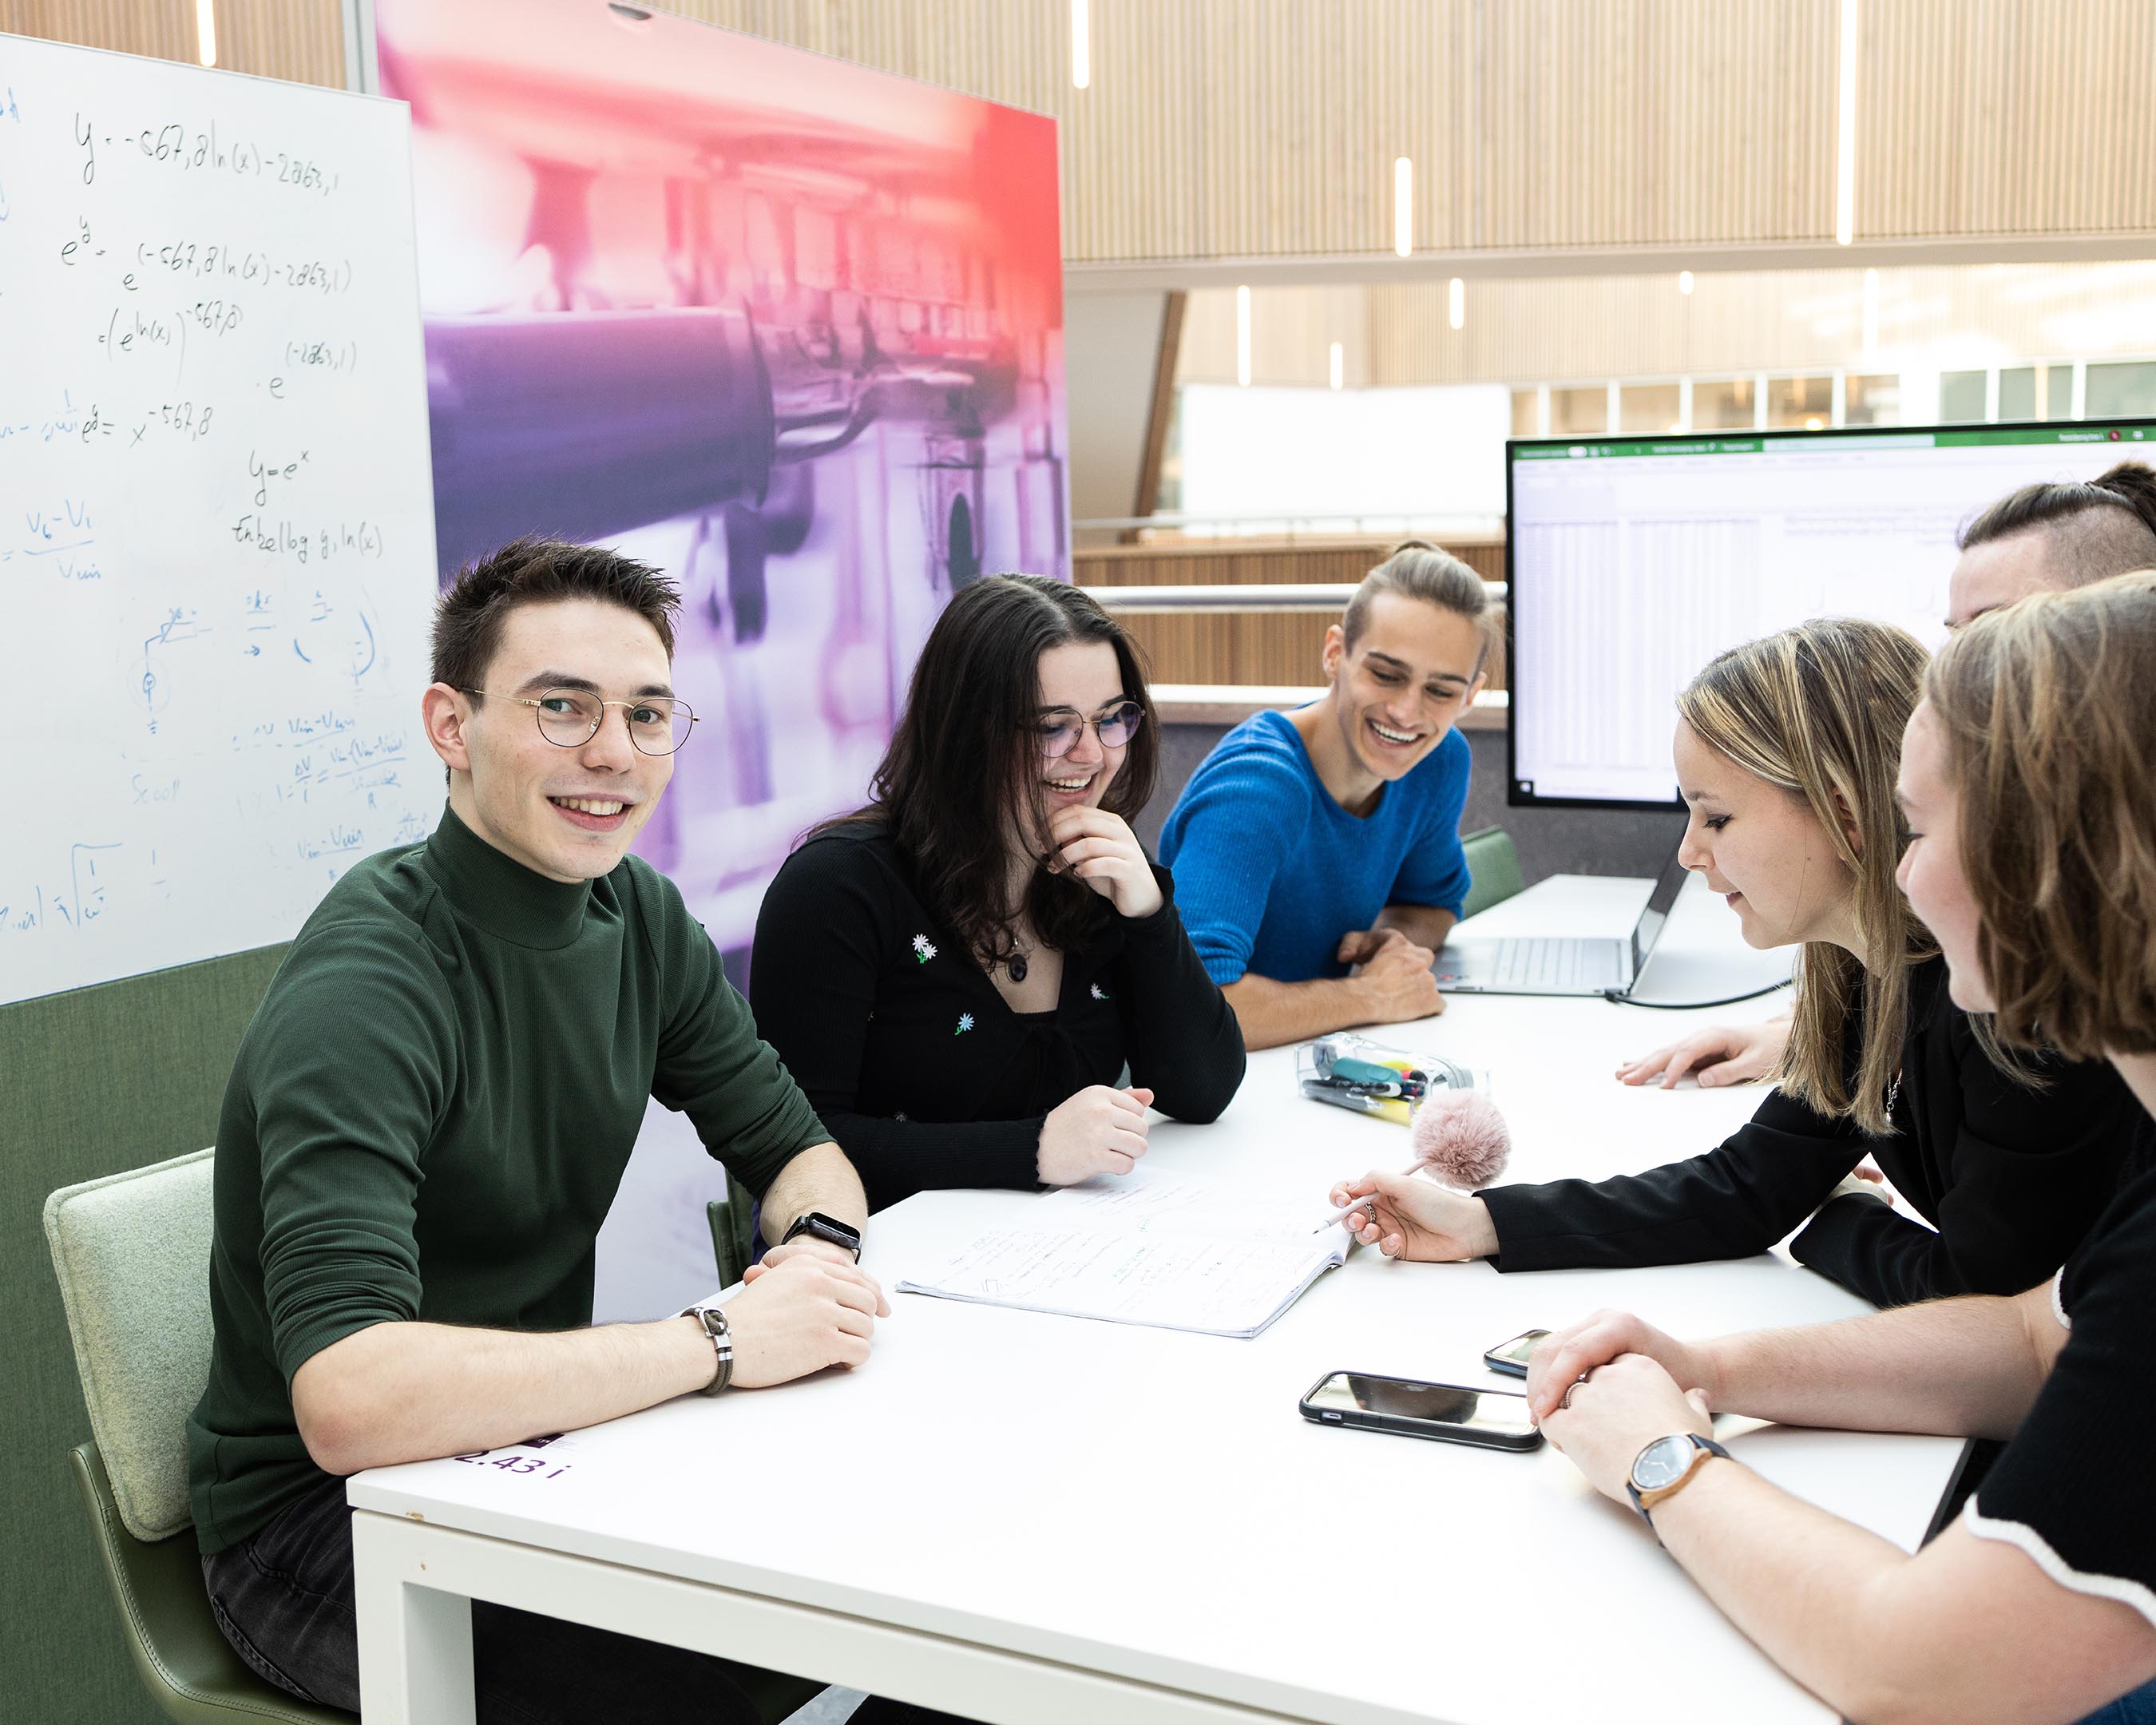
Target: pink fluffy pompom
[{"x": 1460, "y": 1138}]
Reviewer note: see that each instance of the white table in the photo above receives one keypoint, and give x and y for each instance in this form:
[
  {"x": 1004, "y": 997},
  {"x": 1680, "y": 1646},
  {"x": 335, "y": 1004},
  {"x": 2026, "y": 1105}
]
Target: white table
[{"x": 1027, "y": 1518}]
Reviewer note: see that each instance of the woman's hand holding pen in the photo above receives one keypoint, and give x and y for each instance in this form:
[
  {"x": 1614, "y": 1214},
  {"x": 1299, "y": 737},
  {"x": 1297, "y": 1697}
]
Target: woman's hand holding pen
[
  {"x": 1100, "y": 1131},
  {"x": 1409, "y": 1217},
  {"x": 1100, "y": 848}
]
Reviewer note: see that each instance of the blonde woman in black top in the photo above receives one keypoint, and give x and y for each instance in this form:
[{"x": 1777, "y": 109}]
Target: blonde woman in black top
[
  {"x": 2029, "y": 780},
  {"x": 959, "y": 974},
  {"x": 1786, "y": 752}
]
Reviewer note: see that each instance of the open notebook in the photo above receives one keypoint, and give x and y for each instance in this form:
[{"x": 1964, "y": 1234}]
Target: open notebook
[{"x": 1177, "y": 1251}]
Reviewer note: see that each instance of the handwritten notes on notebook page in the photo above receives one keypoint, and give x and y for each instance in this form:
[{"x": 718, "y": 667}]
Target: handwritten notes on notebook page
[
  {"x": 1174, "y": 1252},
  {"x": 216, "y": 517}
]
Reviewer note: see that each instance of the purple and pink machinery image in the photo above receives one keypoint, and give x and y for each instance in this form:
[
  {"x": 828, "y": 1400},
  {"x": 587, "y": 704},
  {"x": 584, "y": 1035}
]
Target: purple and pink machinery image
[{"x": 788, "y": 328}]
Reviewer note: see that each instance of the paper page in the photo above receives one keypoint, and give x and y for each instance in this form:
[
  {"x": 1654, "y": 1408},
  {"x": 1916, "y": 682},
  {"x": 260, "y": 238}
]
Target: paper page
[
  {"x": 1150, "y": 1203},
  {"x": 1220, "y": 1287}
]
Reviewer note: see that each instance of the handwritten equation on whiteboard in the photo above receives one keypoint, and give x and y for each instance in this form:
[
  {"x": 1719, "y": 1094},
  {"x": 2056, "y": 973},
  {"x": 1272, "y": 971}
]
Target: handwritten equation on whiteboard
[{"x": 216, "y": 530}]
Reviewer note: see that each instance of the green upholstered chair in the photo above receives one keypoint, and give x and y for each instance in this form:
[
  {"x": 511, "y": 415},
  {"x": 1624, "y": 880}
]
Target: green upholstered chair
[
  {"x": 733, "y": 1231},
  {"x": 133, "y": 1245},
  {"x": 139, "y": 1242},
  {"x": 1493, "y": 868}
]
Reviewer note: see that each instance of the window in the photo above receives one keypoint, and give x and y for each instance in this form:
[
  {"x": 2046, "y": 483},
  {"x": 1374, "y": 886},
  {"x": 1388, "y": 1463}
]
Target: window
[
  {"x": 2119, "y": 392},
  {"x": 1648, "y": 407},
  {"x": 1800, "y": 403},
  {"x": 1580, "y": 413},
  {"x": 1961, "y": 398},
  {"x": 2017, "y": 394},
  {"x": 1872, "y": 400},
  {"x": 2058, "y": 387},
  {"x": 1723, "y": 404},
  {"x": 1527, "y": 421}
]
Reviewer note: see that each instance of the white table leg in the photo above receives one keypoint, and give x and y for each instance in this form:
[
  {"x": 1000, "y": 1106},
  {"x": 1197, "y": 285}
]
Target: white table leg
[{"x": 415, "y": 1657}]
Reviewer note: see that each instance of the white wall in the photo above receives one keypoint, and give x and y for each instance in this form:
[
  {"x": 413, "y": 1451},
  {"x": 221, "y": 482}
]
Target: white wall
[{"x": 1426, "y": 451}]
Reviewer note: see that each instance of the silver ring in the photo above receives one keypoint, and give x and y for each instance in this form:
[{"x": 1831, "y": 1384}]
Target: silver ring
[{"x": 1569, "y": 1388}]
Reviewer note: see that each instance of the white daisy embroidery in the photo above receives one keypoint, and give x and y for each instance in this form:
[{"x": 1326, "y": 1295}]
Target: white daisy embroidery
[
  {"x": 1097, "y": 991},
  {"x": 924, "y": 949},
  {"x": 965, "y": 1023}
]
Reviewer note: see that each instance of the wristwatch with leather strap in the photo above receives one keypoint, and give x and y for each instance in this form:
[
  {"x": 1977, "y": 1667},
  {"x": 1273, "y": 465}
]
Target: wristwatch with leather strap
[{"x": 1665, "y": 1467}]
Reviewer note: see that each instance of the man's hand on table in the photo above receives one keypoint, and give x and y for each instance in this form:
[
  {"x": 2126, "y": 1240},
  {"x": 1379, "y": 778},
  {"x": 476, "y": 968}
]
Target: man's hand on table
[
  {"x": 1410, "y": 1217},
  {"x": 1391, "y": 975},
  {"x": 805, "y": 1246},
  {"x": 801, "y": 1313}
]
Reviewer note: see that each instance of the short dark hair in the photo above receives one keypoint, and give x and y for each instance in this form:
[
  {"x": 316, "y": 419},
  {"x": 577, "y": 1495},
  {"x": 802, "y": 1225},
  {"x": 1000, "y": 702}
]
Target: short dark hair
[
  {"x": 1416, "y": 569},
  {"x": 469, "y": 617},
  {"x": 2093, "y": 529},
  {"x": 966, "y": 755}
]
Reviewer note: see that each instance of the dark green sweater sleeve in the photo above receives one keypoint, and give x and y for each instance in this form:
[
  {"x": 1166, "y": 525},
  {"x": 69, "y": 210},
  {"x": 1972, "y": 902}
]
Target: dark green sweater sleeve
[
  {"x": 353, "y": 1056},
  {"x": 712, "y": 1064}
]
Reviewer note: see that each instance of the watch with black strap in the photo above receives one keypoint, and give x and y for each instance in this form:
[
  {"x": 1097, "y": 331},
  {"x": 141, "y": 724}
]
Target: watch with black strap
[
  {"x": 824, "y": 1227},
  {"x": 1665, "y": 1467}
]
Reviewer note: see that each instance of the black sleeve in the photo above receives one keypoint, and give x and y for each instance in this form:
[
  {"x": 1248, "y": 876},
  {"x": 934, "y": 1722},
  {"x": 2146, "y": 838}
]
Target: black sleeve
[
  {"x": 2074, "y": 1490},
  {"x": 2027, "y": 1174},
  {"x": 812, "y": 987},
  {"x": 1180, "y": 1034},
  {"x": 1735, "y": 1200}
]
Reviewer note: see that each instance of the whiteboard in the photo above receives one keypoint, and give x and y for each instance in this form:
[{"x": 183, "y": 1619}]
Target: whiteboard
[{"x": 216, "y": 519}]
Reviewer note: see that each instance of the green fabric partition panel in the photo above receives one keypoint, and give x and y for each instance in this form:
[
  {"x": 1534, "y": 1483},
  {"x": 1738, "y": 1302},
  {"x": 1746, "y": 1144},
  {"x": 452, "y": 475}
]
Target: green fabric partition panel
[{"x": 97, "y": 1080}]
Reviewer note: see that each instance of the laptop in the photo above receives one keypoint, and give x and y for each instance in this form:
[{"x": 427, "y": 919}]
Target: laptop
[{"x": 1560, "y": 966}]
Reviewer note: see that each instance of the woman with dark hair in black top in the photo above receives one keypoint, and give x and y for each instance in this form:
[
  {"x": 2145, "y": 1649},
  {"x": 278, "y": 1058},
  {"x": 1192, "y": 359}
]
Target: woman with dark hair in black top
[{"x": 959, "y": 974}]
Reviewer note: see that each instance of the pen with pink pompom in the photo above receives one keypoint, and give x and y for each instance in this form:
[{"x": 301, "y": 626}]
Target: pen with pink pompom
[{"x": 1460, "y": 1139}]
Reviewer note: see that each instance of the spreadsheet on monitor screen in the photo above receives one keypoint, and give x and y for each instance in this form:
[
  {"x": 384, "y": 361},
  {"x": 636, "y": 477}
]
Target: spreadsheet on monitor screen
[{"x": 1633, "y": 563}]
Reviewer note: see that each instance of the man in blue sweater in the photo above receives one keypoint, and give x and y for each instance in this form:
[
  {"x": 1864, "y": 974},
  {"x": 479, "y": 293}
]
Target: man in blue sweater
[{"x": 1316, "y": 853}]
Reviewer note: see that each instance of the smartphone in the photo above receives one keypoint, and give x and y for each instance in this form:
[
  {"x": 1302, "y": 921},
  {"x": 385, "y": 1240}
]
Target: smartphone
[
  {"x": 1451, "y": 1412},
  {"x": 1512, "y": 1356}
]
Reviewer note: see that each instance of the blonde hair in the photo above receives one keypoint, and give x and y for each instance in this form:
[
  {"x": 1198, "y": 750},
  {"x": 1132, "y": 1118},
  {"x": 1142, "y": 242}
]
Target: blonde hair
[
  {"x": 1818, "y": 711},
  {"x": 2049, "y": 709},
  {"x": 1416, "y": 569}
]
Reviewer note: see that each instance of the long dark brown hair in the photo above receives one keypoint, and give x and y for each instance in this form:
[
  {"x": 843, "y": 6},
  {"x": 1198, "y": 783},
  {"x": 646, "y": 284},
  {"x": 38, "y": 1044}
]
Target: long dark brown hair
[{"x": 964, "y": 764}]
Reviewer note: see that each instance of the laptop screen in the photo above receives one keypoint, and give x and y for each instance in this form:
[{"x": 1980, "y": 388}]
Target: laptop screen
[{"x": 1649, "y": 928}]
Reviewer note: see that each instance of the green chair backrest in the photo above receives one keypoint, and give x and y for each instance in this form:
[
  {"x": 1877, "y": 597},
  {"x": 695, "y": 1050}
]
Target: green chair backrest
[
  {"x": 132, "y": 1255},
  {"x": 1493, "y": 868},
  {"x": 733, "y": 1231}
]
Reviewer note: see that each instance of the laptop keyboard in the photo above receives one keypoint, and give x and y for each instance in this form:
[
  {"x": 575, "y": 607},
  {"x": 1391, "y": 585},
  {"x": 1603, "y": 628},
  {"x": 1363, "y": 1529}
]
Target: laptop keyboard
[{"x": 1554, "y": 964}]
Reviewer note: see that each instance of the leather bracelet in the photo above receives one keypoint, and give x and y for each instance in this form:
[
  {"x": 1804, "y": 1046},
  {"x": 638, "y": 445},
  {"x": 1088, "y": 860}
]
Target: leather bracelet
[{"x": 713, "y": 1318}]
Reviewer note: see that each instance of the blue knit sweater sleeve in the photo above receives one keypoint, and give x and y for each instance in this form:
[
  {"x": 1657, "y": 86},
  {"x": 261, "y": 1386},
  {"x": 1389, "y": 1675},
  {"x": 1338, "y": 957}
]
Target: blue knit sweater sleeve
[
  {"x": 1433, "y": 870},
  {"x": 1231, "y": 834}
]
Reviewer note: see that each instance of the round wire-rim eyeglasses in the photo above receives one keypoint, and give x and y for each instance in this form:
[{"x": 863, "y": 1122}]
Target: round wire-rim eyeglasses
[{"x": 666, "y": 725}]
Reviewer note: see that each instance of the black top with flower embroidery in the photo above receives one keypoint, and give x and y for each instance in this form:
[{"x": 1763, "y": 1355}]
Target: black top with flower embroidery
[{"x": 920, "y": 1069}]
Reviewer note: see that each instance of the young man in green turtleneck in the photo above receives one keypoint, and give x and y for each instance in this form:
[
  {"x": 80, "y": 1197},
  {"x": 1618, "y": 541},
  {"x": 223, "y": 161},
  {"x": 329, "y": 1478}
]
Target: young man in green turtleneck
[{"x": 427, "y": 1122}]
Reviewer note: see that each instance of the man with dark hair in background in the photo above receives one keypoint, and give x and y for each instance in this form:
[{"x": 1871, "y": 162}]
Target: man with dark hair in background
[{"x": 427, "y": 1122}]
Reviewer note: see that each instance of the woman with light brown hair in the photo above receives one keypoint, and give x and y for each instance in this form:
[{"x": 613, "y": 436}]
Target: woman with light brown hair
[
  {"x": 2029, "y": 779},
  {"x": 1786, "y": 751}
]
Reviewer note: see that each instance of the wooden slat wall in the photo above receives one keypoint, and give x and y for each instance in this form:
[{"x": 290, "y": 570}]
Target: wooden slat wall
[
  {"x": 301, "y": 40},
  {"x": 1557, "y": 327},
  {"x": 2006, "y": 116},
  {"x": 1228, "y": 128},
  {"x": 1281, "y": 649},
  {"x": 1267, "y": 128}
]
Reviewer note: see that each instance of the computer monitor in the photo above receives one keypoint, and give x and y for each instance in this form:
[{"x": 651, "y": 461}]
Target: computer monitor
[{"x": 1632, "y": 562}]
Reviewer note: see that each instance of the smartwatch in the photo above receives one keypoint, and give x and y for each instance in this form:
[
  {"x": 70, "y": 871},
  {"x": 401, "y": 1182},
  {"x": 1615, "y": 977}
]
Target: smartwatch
[
  {"x": 825, "y": 1227},
  {"x": 713, "y": 1318},
  {"x": 1665, "y": 1467}
]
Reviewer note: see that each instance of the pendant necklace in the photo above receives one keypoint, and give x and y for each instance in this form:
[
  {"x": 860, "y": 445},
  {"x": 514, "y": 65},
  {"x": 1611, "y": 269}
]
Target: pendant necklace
[{"x": 1015, "y": 966}]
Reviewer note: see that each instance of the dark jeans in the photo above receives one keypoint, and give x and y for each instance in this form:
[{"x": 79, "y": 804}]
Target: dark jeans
[{"x": 284, "y": 1600}]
